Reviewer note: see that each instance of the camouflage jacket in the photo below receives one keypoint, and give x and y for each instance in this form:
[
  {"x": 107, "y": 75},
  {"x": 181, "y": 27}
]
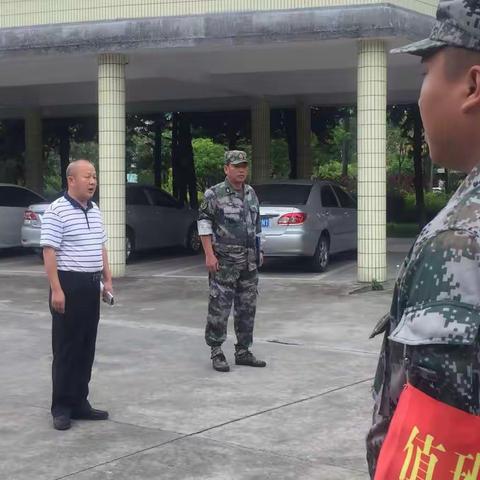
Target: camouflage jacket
[
  {"x": 431, "y": 332},
  {"x": 234, "y": 223}
]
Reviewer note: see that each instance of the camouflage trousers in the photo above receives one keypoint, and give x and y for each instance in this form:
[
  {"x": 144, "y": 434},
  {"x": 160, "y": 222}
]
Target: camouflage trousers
[{"x": 237, "y": 286}]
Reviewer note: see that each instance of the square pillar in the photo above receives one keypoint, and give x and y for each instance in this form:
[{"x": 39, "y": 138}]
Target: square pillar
[
  {"x": 111, "y": 143},
  {"x": 372, "y": 146}
]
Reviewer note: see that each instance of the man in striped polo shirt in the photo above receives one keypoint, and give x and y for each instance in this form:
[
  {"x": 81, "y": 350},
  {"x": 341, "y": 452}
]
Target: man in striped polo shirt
[{"x": 73, "y": 240}]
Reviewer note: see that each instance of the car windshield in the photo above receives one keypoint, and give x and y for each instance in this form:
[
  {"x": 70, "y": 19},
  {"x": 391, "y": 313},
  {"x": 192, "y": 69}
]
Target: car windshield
[{"x": 282, "y": 194}]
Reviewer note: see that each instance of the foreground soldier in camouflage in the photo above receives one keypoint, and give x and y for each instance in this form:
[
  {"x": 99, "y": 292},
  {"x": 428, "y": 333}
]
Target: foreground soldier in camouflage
[
  {"x": 230, "y": 230},
  {"x": 432, "y": 330}
]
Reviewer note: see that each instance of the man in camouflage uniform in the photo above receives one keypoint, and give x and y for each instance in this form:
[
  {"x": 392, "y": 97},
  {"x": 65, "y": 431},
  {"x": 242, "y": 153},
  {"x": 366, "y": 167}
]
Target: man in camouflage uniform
[
  {"x": 230, "y": 230},
  {"x": 432, "y": 330}
]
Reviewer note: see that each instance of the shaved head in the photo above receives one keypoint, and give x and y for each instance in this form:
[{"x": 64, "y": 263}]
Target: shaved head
[
  {"x": 82, "y": 180},
  {"x": 73, "y": 167},
  {"x": 459, "y": 60}
]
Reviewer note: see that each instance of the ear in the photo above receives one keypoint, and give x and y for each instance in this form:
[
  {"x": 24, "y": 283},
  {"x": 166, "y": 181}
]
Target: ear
[
  {"x": 225, "y": 169},
  {"x": 472, "y": 99}
]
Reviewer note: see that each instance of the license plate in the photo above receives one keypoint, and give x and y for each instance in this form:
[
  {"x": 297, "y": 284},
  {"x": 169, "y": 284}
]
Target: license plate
[{"x": 265, "y": 222}]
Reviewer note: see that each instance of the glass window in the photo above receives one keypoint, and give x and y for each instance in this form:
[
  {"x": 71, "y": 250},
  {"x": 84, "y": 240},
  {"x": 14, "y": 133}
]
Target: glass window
[
  {"x": 329, "y": 200},
  {"x": 161, "y": 199},
  {"x": 346, "y": 201},
  {"x": 12, "y": 196},
  {"x": 136, "y": 196},
  {"x": 282, "y": 194}
]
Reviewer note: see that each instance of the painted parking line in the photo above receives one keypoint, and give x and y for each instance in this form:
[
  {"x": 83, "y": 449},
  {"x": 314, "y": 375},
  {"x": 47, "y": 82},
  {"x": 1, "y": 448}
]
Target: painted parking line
[
  {"x": 23, "y": 272},
  {"x": 178, "y": 270},
  {"x": 336, "y": 271},
  {"x": 263, "y": 279}
]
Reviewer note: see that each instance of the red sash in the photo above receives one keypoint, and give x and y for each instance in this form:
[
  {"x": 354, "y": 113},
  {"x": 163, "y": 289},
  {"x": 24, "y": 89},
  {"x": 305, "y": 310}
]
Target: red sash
[{"x": 429, "y": 440}]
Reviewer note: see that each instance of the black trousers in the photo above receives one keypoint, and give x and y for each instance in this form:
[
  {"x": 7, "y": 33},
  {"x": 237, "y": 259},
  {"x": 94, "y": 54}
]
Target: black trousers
[{"x": 74, "y": 334}]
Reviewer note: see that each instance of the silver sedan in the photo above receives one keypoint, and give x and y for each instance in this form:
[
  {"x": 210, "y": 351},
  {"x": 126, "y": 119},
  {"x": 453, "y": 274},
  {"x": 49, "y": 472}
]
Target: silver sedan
[
  {"x": 307, "y": 218},
  {"x": 13, "y": 201},
  {"x": 154, "y": 219}
]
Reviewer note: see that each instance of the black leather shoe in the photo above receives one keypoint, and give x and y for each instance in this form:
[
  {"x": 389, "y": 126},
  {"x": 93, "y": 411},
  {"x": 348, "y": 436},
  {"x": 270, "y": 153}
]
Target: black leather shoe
[
  {"x": 90, "y": 414},
  {"x": 247, "y": 358},
  {"x": 61, "y": 422}
]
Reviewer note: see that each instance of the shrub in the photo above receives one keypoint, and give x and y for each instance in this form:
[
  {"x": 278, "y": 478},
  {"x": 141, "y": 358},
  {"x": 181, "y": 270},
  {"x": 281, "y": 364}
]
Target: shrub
[{"x": 402, "y": 208}]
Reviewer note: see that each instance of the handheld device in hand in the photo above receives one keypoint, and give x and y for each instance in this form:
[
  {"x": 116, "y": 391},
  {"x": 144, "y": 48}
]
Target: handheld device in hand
[{"x": 107, "y": 297}]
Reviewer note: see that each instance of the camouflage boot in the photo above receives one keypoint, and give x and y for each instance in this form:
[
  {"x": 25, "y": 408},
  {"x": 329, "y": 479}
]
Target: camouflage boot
[
  {"x": 243, "y": 356},
  {"x": 219, "y": 362}
]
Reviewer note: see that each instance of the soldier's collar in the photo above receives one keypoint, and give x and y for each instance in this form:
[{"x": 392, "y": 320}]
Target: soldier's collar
[
  {"x": 230, "y": 190},
  {"x": 472, "y": 180}
]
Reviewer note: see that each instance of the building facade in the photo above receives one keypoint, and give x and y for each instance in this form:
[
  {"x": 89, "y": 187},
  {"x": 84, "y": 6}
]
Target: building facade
[{"x": 60, "y": 58}]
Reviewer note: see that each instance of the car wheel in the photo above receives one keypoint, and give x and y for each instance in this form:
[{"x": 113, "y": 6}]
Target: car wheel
[
  {"x": 321, "y": 257},
  {"x": 193, "y": 242},
  {"x": 129, "y": 245}
]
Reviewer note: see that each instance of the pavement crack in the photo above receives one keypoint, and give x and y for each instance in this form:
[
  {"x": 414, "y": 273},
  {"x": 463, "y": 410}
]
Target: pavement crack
[
  {"x": 208, "y": 429},
  {"x": 286, "y": 456},
  {"x": 283, "y": 342},
  {"x": 285, "y": 405}
]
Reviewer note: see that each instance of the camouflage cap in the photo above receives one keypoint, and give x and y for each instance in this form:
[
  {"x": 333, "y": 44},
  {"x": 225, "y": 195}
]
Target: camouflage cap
[
  {"x": 457, "y": 25},
  {"x": 234, "y": 157}
]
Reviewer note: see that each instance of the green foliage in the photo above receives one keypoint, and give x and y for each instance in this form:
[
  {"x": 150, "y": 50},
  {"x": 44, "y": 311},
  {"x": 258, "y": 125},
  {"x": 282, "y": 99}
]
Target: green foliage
[
  {"x": 402, "y": 208},
  {"x": 434, "y": 202},
  {"x": 376, "y": 285},
  {"x": 399, "y": 152},
  {"x": 402, "y": 230},
  {"x": 52, "y": 181},
  {"x": 208, "y": 157},
  {"x": 88, "y": 150},
  {"x": 10, "y": 171},
  {"x": 140, "y": 146},
  {"x": 280, "y": 159},
  {"x": 146, "y": 177},
  {"x": 333, "y": 171}
]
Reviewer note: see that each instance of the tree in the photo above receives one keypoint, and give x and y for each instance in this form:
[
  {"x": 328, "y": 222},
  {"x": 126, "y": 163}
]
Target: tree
[
  {"x": 59, "y": 135},
  {"x": 225, "y": 127},
  {"x": 183, "y": 168},
  {"x": 12, "y": 147},
  {"x": 408, "y": 119},
  {"x": 208, "y": 157}
]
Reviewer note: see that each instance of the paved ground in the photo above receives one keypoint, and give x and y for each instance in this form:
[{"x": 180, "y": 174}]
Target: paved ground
[{"x": 172, "y": 416}]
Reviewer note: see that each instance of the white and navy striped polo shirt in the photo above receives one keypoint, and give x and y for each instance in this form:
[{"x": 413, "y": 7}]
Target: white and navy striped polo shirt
[{"x": 76, "y": 233}]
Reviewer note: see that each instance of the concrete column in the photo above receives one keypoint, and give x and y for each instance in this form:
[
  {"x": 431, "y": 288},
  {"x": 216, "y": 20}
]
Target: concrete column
[
  {"x": 372, "y": 105},
  {"x": 261, "y": 163},
  {"x": 304, "y": 149},
  {"x": 111, "y": 140},
  {"x": 34, "y": 151}
]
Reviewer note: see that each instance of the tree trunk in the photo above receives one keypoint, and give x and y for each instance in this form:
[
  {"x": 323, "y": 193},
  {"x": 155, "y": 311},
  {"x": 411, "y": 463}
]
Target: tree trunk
[
  {"x": 176, "y": 168},
  {"x": 64, "y": 152},
  {"x": 232, "y": 133},
  {"x": 290, "y": 121},
  {"x": 417, "y": 161},
  {"x": 428, "y": 173},
  {"x": 346, "y": 149},
  {"x": 157, "y": 152},
  {"x": 447, "y": 181},
  {"x": 187, "y": 162}
]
